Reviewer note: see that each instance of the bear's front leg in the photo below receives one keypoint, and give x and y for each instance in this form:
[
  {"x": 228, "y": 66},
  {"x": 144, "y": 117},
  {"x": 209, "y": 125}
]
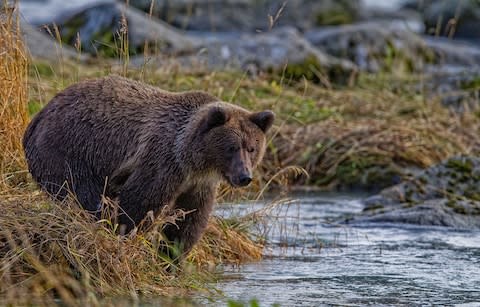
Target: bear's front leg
[
  {"x": 198, "y": 200},
  {"x": 137, "y": 197}
]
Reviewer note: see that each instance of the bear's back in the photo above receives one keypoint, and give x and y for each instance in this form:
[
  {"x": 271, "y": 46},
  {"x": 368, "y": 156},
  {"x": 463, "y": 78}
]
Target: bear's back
[{"x": 92, "y": 127}]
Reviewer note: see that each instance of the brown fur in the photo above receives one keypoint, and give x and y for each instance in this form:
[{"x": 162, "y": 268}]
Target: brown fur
[{"x": 153, "y": 148}]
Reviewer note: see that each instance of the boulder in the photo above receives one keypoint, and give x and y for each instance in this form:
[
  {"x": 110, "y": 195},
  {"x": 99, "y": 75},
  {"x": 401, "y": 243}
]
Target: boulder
[
  {"x": 434, "y": 212},
  {"x": 251, "y": 15},
  {"x": 447, "y": 194},
  {"x": 37, "y": 44},
  {"x": 374, "y": 46},
  {"x": 280, "y": 50},
  {"x": 42, "y": 46},
  {"x": 454, "y": 75},
  {"x": 98, "y": 28},
  {"x": 450, "y": 18},
  {"x": 451, "y": 53}
]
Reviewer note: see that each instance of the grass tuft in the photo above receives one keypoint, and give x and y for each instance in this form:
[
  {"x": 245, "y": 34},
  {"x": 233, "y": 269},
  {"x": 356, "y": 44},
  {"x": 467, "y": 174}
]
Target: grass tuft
[{"x": 13, "y": 97}]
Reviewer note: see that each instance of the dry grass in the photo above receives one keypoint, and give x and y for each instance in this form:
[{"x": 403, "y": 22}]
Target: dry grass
[
  {"x": 49, "y": 251},
  {"x": 13, "y": 98},
  {"x": 371, "y": 130}
]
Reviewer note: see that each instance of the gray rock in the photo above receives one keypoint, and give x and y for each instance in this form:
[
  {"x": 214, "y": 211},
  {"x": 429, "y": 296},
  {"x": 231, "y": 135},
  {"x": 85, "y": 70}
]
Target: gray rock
[
  {"x": 39, "y": 45},
  {"x": 143, "y": 28},
  {"x": 447, "y": 194},
  {"x": 458, "y": 87},
  {"x": 251, "y": 15},
  {"x": 373, "y": 46},
  {"x": 453, "y": 53},
  {"x": 435, "y": 212},
  {"x": 438, "y": 17},
  {"x": 40, "y": 12},
  {"x": 98, "y": 26},
  {"x": 263, "y": 51},
  {"x": 252, "y": 52},
  {"x": 42, "y": 46},
  {"x": 454, "y": 75}
]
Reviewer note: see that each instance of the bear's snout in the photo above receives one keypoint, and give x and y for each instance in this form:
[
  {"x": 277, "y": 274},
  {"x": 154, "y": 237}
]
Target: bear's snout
[
  {"x": 240, "y": 179},
  {"x": 245, "y": 180}
]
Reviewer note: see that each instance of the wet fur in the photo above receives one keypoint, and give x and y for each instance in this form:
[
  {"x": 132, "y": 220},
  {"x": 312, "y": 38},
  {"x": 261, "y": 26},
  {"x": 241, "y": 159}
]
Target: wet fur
[{"x": 148, "y": 147}]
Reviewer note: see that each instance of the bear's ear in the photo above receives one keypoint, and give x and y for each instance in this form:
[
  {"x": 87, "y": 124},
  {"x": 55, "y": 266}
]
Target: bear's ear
[
  {"x": 216, "y": 117},
  {"x": 264, "y": 120}
]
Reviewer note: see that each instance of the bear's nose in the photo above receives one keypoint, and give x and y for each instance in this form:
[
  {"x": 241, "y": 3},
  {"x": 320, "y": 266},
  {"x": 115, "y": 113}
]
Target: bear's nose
[{"x": 245, "y": 180}]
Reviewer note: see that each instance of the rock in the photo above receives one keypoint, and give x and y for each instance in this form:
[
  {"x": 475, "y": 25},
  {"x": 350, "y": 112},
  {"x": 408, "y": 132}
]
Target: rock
[
  {"x": 98, "y": 27},
  {"x": 42, "y": 46},
  {"x": 374, "y": 46},
  {"x": 40, "y": 12},
  {"x": 454, "y": 74},
  {"x": 458, "y": 87},
  {"x": 98, "y": 24},
  {"x": 453, "y": 53},
  {"x": 447, "y": 194},
  {"x": 278, "y": 50},
  {"x": 39, "y": 45},
  {"x": 402, "y": 19},
  {"x": 435, "y": 212},
  {"x": 143, "y": 28},
  {"x": 251, "y": 15},
  {"x": 450, "y": 18}
]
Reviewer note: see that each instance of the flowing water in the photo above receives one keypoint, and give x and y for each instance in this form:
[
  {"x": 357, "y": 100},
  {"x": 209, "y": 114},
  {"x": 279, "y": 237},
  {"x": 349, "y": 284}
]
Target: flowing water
[{"x": 312, "y": 261}]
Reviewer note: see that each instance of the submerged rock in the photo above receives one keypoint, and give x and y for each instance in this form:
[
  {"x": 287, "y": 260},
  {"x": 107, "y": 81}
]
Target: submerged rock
[
  {"x": 447, "y": 194},
  {"x": 435, "y": 212}
]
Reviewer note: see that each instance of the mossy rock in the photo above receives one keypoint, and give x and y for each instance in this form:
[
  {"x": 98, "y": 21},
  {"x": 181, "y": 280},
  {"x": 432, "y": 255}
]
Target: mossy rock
[
  {"x": 464, "y": 166},
  {"x": 338, "y": 13},
  {"x": 335, "y": 17},
  {"x": 363, "y": 173},
  {"x": 312, "y": 70}
]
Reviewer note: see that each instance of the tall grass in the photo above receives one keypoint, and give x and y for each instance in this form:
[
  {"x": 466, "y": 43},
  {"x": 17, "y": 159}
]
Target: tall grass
[
  {"x": 49, "y": 251},
  {"x": 13, "y": 96}
]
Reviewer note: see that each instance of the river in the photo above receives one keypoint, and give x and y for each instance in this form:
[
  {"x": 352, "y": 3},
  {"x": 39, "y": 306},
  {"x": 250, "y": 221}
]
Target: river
[{"x": 311, "y": 261}]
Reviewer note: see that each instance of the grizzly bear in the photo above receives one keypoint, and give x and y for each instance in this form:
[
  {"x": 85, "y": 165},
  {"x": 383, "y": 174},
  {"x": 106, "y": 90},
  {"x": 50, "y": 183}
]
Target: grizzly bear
[{"x": 147, "y": 148}]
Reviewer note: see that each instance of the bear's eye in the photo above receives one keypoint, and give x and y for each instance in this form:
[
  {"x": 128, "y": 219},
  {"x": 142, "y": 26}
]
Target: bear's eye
[
  {"x": 233, "y": 149},
  {"x": 250, "y": 149}
]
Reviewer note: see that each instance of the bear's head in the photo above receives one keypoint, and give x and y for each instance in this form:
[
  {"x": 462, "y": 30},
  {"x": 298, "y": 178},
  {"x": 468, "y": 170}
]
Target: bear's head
[{"x": 233, "y": 141}]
